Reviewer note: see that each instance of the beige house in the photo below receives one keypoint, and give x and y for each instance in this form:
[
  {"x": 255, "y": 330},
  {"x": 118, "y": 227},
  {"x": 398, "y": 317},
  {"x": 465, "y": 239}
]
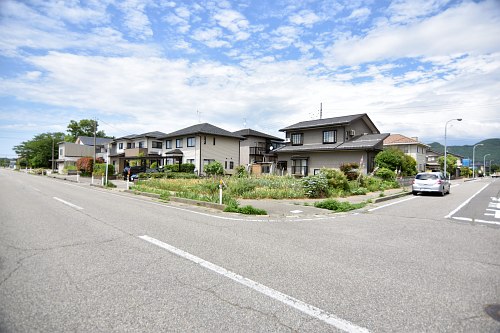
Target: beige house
[
  {"x": 70, "y": 152},
  {"x": 315, "y": 144},
  {"x": 202, "y": 144},
  {"x": 410, "y": 146}
]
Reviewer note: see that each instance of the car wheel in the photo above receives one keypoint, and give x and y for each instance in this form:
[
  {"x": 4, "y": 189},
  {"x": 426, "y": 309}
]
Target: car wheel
[
  {"x": 449, "y": 188},
  {"x": 414, "y": 192},
  {"x": 442, "y": 192}
]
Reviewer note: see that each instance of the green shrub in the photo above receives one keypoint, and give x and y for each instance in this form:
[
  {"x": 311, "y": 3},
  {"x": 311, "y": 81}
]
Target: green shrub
[
  {"x": 187, "y": 168},
  {"x": 241, "y": 171},
  {"x": 336, "y": 179},
  {"x": 85, "y": 164},
  {"x": 240, "y": 186},
  {"x": 100, "y": 169},
  {"x": 248, "y": 210},
  {"x": 338, "y": 206},
  {"x": 315, "y": 186},
  {"x": 157, "y": 175},
  {"x": 154, "y": 165},
  {"x": 385, "y": 174},
  {"x": 110, "y": 184},
  {"x": 359, "y": 191},
  {"x": 214, "y": 169}
]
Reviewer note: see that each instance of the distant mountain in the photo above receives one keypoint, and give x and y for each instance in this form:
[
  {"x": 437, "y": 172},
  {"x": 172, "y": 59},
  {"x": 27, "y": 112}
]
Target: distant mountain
[{"x": 490, "y": 146}]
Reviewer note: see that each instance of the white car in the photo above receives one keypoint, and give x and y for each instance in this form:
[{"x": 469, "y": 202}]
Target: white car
[{"x": 433, "y": 182}]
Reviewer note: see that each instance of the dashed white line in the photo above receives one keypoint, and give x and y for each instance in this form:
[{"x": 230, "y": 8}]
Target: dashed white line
[
  {"x": 68, "y": 203},
  {"x": 306, "y": 308}
]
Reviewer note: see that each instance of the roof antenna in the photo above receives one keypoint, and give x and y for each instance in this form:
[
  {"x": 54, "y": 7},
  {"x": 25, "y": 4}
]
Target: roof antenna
[
  {"x": 321, "y": 110},
  {"x": 199, "y": 116},
  {"x": 244, "y": 122}
]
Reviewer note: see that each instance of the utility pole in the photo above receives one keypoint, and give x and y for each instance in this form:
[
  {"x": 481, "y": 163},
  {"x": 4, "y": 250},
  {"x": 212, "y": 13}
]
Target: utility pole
[
  {"x": 95, "y": 130},
  {"x": 321, "y": 110},
  {"x": 52, "y": 152}
]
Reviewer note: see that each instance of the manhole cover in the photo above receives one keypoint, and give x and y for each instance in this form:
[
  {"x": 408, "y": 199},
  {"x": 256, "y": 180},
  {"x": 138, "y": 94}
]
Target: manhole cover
[{"x": 493, "y": 310}]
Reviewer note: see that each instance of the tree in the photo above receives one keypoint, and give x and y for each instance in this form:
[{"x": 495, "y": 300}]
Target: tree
[
  {"x": 38, "y": 151},
  {"x": 451, "y": 164},
  {"x": 394, "y": 159},
  {"x": 84, "y": 127}
]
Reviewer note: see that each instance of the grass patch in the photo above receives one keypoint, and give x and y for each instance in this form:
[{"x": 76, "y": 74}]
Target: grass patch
[
  {"x": 338, "y": 206},
  {"x": 248, "y": 210}
]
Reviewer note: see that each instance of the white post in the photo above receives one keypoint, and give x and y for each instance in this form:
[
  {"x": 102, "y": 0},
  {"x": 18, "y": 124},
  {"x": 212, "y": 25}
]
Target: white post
[
  {"x": 220, "y": 192},
  {"x": 107, "y": 162},
  {"x": 77, "y": 176},
  {"x": 128, "y": 183},
  {"x": 92, "y": 179}
]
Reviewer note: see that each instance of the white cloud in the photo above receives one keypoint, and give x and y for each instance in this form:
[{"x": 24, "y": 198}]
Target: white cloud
[
  {"x": 405, "y": 11},
  {"x": 136, "y": 19},
  {"x": 359, "y": 14},
  {"x": 472, "y": 28},
  {"x": 210, "y": 37},
  {"x": 305, "y": 17}
]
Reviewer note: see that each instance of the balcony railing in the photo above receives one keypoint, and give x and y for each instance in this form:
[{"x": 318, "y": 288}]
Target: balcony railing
[{"x": 257, "y": 151}]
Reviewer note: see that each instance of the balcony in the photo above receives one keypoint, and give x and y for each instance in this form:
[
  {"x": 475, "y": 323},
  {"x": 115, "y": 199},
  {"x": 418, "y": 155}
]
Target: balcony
[
  {"x": 257, "y": 151},
  {"x": 134, "y": 152}
]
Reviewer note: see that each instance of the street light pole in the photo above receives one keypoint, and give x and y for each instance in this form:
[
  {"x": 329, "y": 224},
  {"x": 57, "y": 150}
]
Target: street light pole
[
  {"x": 473, "y": 158},
  {"x": 52, "y": 153},
  {"x": 445, "y": 127},
  {"x": 484, "y": 163}
]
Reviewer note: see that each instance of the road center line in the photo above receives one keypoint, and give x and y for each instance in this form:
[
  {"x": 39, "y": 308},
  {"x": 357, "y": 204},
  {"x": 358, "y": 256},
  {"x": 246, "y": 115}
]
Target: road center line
[
  {"x": 392, "y": 203},
  {"x": 288, "y": 300},
  {"x": 465, "y": 202},
  {"x": 68, "y": 203}
]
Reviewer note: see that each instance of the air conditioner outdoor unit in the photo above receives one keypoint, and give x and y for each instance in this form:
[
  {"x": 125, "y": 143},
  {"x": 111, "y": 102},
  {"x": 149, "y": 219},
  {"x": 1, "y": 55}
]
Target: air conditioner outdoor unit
[
  {"x": 352, "y": 132},
  {"x": 287, "y": 140}
]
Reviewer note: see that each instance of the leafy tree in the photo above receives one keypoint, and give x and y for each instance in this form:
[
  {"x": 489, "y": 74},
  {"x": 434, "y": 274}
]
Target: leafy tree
[
  {"x": 85, "y": 164},
  {"x": 37, "y": 152},
  {"x": 495, "y": 168},
  {"x": 465, "y": 171},
  {"x": 451, "y": 164},
  {"x": 393, "y": 159},
  {"x": 84, "y": 127},
  {"x": 214, "y": 169}
]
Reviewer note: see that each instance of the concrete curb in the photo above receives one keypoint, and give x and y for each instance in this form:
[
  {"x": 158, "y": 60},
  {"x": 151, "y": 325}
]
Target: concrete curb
[
  {"x": 390, "y": 197},
  {"x": 181, "y": 200}
]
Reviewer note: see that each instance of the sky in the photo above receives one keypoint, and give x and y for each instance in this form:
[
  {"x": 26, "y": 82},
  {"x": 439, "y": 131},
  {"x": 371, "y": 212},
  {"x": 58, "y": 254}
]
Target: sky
[{"x": 151, "y": 65}]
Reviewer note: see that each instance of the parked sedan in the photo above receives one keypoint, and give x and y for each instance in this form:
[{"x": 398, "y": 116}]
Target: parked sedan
[{"x": 433, "y": 182}]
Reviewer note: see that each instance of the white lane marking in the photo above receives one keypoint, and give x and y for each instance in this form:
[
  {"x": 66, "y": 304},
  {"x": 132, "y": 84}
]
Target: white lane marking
[
  {"x": 288, "y": 300},
  {"x": 489, "y": 222},
  {"x": 296, "y": 211},
  {"x": 494, "y": 205},
  {"x": 465, "y": 202},
  {"x": 68, "y": 203},
  {"x": 462, "y": 218},
  {"x": 392, "y": 203}
]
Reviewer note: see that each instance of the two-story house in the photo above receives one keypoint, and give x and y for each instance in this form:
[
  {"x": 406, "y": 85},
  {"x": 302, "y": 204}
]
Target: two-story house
[
  {"x": 70, "y": 152},
  {"x": 329, "y": 143},
  {"x": 410, "y": 146},
  {"x": 432, "y": 161},
  {"x": 202, "y": 144},
  {"x": 144, "y": 149}
]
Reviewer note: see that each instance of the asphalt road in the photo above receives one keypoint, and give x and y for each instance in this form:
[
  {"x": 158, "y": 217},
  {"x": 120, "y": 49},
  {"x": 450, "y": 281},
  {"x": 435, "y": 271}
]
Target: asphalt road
[{"x": 79, "y": 258}]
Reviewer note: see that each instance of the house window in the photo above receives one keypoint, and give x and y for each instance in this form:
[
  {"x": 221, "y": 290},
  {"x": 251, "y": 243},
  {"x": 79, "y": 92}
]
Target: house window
[
  {"x": 168, "y": 144},
  {"x": 61, "y": 152},
  {"x": 225, "y": 164},
  {"x": 231, "y": 165},
  {"x": 190, "y": 161},
  {"x": 141, "y": 144},
  {"x": 330, "y": 136},
  {"x": 157, "y": 144},
  {"x": 191, "y": 142},
  {"x": 120, "y": 145},
  {"x": 205, "y": 162},
  {"x": 214, "y": 140},
  {"x": 299, "y": 167},
  {"x": 317, "y": 171},
  {"x": 204, "y": 140},
  {"x": 130, "y": 145},
  {"x": 178, "y": 143},
  {"x": 297, "y": 139}
]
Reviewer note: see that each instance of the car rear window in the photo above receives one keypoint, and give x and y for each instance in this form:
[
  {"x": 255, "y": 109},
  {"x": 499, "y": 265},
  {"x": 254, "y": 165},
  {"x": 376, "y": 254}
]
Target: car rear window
[{"x": 427, "y": 176}]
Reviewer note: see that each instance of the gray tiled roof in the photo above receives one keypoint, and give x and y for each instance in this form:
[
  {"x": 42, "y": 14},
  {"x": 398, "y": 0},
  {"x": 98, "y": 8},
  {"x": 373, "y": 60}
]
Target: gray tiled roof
[
  {"x": 89, "y": 140},
  {"x": 204, "y": 128},
  {"x": 336, "y": 121},
  {"x": 362, "y": 142},
  {"x": 250, "y": 132},
  {"x": 154, "y": 135}
]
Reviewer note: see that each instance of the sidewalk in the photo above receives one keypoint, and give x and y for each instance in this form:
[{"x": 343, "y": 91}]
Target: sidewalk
[
  {"x": 305, "y": 207},
  {"x": 120, "y": 183}
]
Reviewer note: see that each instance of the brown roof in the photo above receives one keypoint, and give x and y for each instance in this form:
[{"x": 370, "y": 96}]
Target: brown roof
[{"x": 395, "y": 139}]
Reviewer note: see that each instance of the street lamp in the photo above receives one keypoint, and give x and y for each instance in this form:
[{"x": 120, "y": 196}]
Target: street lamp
[
  {"x": 484, "y": 163},
  {"x": 473, "y": 158},
  {"x": 445, "y": 127}
]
